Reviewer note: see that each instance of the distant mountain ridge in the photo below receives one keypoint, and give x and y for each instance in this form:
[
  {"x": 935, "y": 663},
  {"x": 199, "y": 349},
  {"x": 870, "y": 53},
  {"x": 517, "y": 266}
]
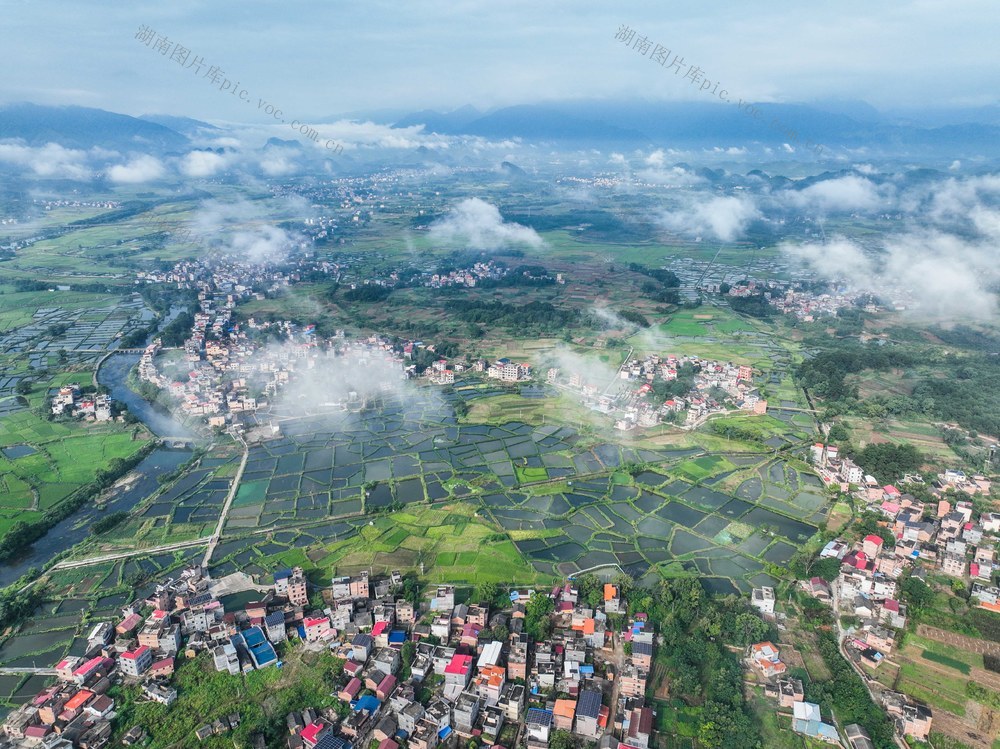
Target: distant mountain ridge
[
  {"x": 84, "y": 127},
  {"x": 643, "y": 123}
]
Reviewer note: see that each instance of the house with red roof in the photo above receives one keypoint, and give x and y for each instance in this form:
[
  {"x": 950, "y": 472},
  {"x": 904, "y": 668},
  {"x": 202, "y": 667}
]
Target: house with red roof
[
  {"x": 872, "y": 545},
  {"x": 351, "y": 691},
  {"x": 314, "y": 732},
  {"x": 316, "y": 627},
  {"x": 136, "y": 662},
  {"x": 458, "y": 670}
]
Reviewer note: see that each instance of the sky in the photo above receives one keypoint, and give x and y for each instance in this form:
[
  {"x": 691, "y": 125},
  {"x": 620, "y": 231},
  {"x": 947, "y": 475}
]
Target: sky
[{"x": 314, "y": 59}]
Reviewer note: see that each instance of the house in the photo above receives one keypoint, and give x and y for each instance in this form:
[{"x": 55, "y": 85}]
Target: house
[
  {"x": 953, "y": 564},
  {"x": 790, "y": 691},
  {"x": 764, "y": 657},
  {"x": 465, "y": 712},
  {"x": 763, "y": 600},
  {"x": 858, "y": 737},
  {"x": 538, "y": 724},
  {"x": 915, "y": 721},
  {"x": 640, "y": 727},
  {"x": 872, "y": 545},
  {"x": 632, "y": 680},
  {"x": 226, "y": 658},
  {"x": 563, "y": 714},
  {"x": 351, "y": 690},
  {"x": 136, "y": 662},
  {"x": 881, "y": 639},
  {"x": 807, "y": 720},
  {"x": 317, "y": 628},
  {"x": 588, "y": 710}
]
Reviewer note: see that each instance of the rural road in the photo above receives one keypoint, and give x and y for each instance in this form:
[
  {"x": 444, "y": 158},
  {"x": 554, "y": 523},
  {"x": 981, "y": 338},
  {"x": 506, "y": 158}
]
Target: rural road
[
  {"x": 214, "y": 540},
  {"x": 126, "y": 554}
]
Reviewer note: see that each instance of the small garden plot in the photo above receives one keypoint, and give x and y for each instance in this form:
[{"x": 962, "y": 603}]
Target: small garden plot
[
  {"x": 755, "y": 544},
  {"x": 608, "y": 455},
  {"x": 780, "y": 553},
  {"x": 809, "y": 502},
  {"x": 250, "y": 492},
  {"x": 596, "y": 559},
  {"x": 578, "y": 500},
  {"x": 681, "y": 514},
  {"x": 625, "y": 511},
  {"x": 776, "y": 473},
  {"x": 698, "y": 469},
  {"x": 711, "y": 526},
  {"x": 648, "y": 502},
  {"x": 378, "y": 470},
  {"x": 561, "y": 553},
  {"x": 410, "y": 491},
  {"x": 676, "y": 488},
  {"x": 579, "y": 533},
  {"x": 31, "y": 687}
]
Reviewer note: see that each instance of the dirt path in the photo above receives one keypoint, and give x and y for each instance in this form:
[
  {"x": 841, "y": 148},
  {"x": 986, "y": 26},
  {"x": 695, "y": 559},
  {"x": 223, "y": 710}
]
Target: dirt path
[
  {"x": 983, "y": 647},
  {"x": 957, "y": 728}
]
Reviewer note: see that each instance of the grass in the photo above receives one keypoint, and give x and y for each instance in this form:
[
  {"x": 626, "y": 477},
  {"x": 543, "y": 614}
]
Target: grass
[
  {"x": 701, "y": 468},
  {"x": 933, "y": 687},
  {"x": 946, "y": 661}
]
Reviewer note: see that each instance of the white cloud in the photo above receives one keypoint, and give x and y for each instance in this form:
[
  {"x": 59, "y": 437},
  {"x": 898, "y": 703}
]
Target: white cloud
[
  {"x": 50, "y": 160},
  {"x": 203, "y": 163},
  {"x": 724, "y": 218},
  {"x": 479, "y": 225},
  {"x": 140, "y": 169},
  {"x": 848, "y": 193}
]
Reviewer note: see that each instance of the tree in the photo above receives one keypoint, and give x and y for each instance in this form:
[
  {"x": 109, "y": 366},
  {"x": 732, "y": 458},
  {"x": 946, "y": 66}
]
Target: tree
[
  {"x": 827, "y": 568},
  {"x": 23, "y": 387},
  {"x": 750, "y": 628},
  {"x": 486, "y": 592},
  {"x": 561, "y": 739},
  {"x": 537, "y": 616}
]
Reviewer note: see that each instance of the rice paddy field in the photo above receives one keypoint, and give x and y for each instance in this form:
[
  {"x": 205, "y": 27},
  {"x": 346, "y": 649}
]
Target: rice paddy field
[{"x": 409, "y": 486}]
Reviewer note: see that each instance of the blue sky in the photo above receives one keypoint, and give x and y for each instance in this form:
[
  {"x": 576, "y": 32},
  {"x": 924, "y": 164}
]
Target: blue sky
[{"x": 316, "y": 59}]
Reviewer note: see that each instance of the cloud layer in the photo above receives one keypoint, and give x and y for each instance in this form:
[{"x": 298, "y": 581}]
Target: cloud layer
[{"x": 479, "y": 225}]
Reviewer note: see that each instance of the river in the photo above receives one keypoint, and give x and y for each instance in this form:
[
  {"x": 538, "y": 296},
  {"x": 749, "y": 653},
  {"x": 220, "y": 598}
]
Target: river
[
  {"x": 113, "y": 375},
  {"x": 74, "y": 529}
]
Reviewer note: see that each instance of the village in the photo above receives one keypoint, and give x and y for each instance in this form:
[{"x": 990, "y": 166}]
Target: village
[
  {"x": 417, "y": 672},
  {"x": 683, "y": 390},
  {"x": 914, "y": 539}
]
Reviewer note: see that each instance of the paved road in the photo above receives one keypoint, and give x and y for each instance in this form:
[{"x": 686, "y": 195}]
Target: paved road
[
  {"x": 213, "y": 542},
  {"x": 43, "y": 671},
  {"x": 134, "y": 553}
]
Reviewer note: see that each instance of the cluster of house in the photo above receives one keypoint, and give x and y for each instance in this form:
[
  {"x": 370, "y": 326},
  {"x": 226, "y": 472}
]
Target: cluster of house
[
  {"x": 883, "y": 616},
  {"x": 462, "y": 682},
  {"x": 808, "y": 306},
  {"x": 468, "y": 276},
  {"x": 950, "y": 533},
  {"x": 69, "y": 399},
  {"x": 505, "y": 370},
  {"x": 717, "y": 387},
  {"x": 238, "y": 373},
  {"x": 838, "y": 470},
  {"x": 764, "y": 661}
]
